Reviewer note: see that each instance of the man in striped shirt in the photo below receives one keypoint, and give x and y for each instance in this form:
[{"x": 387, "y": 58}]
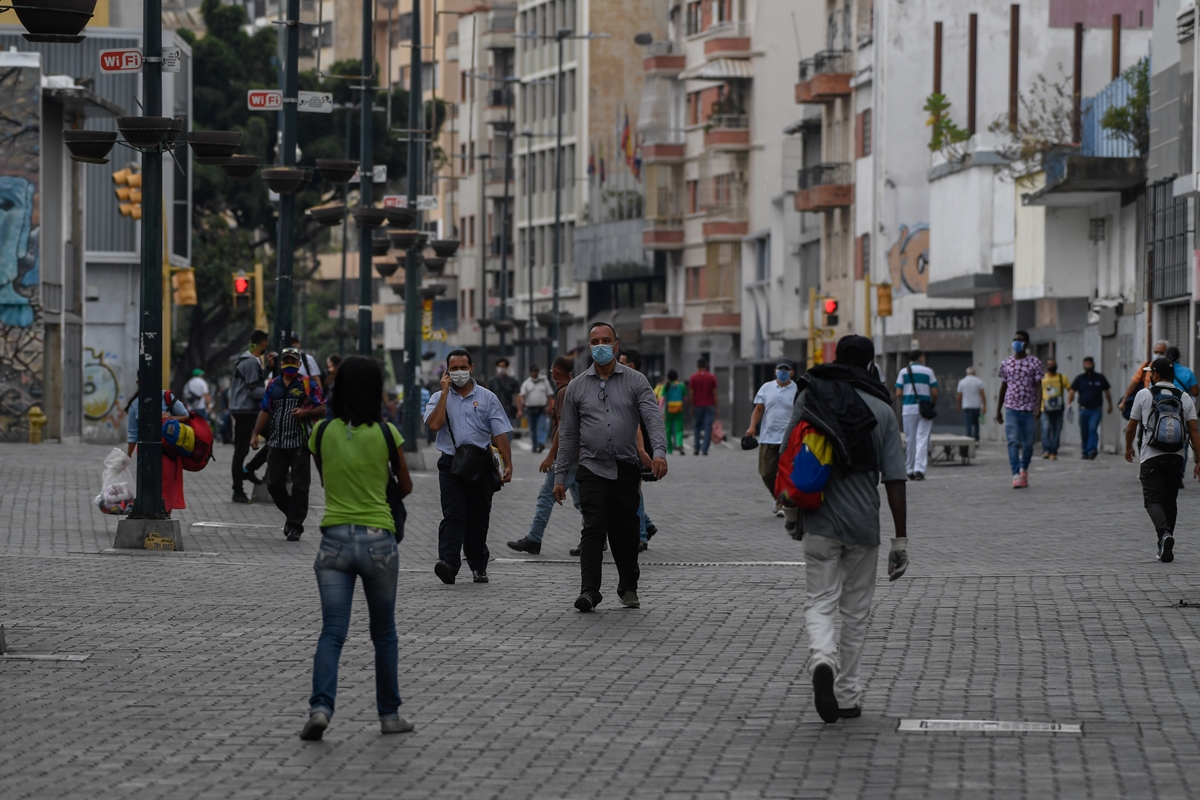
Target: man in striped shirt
[
  {"x": 290, "y": 402},
  {"x": 915, "y": 383}
]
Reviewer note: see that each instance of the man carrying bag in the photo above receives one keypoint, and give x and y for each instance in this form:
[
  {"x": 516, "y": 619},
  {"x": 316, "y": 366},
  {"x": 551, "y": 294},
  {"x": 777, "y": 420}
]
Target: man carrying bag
[{"x": 469, "y": 420}]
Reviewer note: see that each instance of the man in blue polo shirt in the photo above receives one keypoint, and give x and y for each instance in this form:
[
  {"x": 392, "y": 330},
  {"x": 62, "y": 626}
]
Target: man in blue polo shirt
[
  {"x": 1092, "y": 388},
  {"x": 465, "y": 413}
]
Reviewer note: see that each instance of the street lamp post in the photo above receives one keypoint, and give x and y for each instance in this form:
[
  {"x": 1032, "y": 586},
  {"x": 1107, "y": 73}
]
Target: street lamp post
[
  {"x": 366, "y": 172},
  {"x": 508, "y": 175},
  {"x": 412, "y": 268},
  {"x": 345, "y": 235},
  {"x": 287, "y": 201}
]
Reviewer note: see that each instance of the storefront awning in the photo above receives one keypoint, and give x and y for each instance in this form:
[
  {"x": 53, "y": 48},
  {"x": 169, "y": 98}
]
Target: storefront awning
[{"x": 720, "y": 69}]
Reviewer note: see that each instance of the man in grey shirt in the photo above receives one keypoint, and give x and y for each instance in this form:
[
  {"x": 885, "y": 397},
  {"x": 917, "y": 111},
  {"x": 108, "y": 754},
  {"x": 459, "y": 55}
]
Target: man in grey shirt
[
  {"x": 602, "y": 412},
  {"x": 841, "y": 537}
]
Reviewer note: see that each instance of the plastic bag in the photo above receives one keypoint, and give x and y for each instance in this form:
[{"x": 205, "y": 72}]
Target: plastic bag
[
  {"x": 718, "y": 432},
  {"x": 117, "y": 484}
]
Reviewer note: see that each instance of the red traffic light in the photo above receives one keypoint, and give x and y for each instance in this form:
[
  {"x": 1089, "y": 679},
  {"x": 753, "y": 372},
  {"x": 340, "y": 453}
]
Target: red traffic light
[
  {"x": 831, "y": 305},
  {"x": 241, "y": 284}
]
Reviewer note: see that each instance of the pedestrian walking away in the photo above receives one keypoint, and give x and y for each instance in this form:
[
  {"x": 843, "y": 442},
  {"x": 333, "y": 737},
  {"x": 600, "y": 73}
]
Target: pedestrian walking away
[
  {"x": 197, "y": 396},
  {"x": 172, "y": 468},
  {"x": 671, "y": 396},
  {"x": 290, "y": 404},
  {"x": 972, "y": 402},
  {"x": 917, "y": 388},
  {"x": 469, "y": 421},
  {"x": 246, "y": 391},
  {"x": 1093, "y": 389},
  {"x": 772, "y": 410},
  {"x": 1185, "y": 381},
  {"x": 354, "y": 453},
  {"x": 534, "y": 401},
  {"x": 506, "y": 388},
  {"x": 845, "y": 404},
  {"x": 702, "y": 386},
  {"x": 602, "y": 410},
  {"x": 1054, "y": 407},
  {"x": 561, "y": 373},
  {"x": 1162, "y": 421},
  {"x": 308, "y": 364},
  {"x": 1021, "y": 396}
]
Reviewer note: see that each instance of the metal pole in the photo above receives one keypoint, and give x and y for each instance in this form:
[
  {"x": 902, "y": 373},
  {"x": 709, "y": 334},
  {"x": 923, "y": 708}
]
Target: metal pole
[
  {"x": 555, "y": 345},
  {"x": 412, "y": 269},
  {"x": 345, "y": 237},
  {"x": 529, "y": 245},
  {"x": 508, "y": 176},
  {"x": 480, "y": 160},
  {"x": 149, "y": 502},
  {"x": 287, "y": 202},
  {"x": 366, "y": 183}
]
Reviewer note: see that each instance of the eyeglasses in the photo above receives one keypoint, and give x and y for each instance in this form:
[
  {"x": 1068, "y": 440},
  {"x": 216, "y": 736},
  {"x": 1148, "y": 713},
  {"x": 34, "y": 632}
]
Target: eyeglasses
[{"x": 603, "y": 395}]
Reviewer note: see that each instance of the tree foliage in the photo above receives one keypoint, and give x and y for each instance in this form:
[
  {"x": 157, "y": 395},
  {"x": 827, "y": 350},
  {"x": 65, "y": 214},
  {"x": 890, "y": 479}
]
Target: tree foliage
[
  {"x": 1044, "y": 124},
  {"x": 944, "y": 134},
  {"x": 1131, "y": 122}
]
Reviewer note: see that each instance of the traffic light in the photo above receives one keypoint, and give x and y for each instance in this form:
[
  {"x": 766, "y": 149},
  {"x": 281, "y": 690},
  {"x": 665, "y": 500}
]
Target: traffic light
[
  {"x": 829, "y": 306},
  {"x": 129, "y": 192},
  {"x": 241, "y": 290},
  {"x": 184, "y": 284}
]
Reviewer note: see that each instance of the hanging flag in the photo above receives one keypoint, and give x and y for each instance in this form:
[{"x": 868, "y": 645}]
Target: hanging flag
[
  {"x": 602, "y": 174},
  {"x": 637, "y": 160},
  {"x": 591, "y": 168},
  {"x": 627, "y": 142}
]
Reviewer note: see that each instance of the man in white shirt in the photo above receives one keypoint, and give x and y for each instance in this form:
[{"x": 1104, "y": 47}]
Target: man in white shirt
[
  {"x": 196, "y": 395},
  {"x": 972, "y": 402},
  {"x": 1163, "y": 419},
  {"x": 914, "y": 384},
  {"x": 535, "y": 400},
  {"x": 308, "y": 364},
  {"x": 773, "y": 408}
]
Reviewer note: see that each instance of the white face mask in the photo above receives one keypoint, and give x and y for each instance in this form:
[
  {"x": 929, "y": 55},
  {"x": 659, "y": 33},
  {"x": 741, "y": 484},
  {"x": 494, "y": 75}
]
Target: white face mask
[
  {"x": 459, "y": 377},
  {"x": 501, "y": 370}
]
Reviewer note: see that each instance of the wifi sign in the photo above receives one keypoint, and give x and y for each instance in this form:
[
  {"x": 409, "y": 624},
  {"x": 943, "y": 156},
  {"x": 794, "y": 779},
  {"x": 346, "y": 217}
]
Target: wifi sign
[
  {"x": 264, "y": 99},
  {"x": 120, "y": 60}
]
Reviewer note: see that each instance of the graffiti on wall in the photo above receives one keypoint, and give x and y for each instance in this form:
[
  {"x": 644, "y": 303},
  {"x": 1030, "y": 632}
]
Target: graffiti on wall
[
  {"x": 21, "y": 328},
  {"x": 908, "y": 258},
  {"x": 102, "y": 399}
]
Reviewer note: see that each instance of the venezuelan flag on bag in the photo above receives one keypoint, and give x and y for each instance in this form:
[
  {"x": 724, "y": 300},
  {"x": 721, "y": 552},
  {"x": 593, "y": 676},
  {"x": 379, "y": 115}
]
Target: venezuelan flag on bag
[
  {"x": 178, "y": 438},
  {"x": 804, "y": 466}
]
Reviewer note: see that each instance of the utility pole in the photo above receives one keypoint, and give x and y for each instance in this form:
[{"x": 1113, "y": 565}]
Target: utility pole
[
  {"x": 508, "y": 175},
  {"x": 287, "y": 201},
  {"x": 366, "y": 171},
  {"x": 412, "y": 264},
  {"x": 149, "y": 502},
  {"x": 345, "y": 236},
  {"x": 555, "y": 345}
]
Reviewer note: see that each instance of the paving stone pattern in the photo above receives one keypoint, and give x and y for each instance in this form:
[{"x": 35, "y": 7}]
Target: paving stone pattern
[{"x": 1042, "y": 605}]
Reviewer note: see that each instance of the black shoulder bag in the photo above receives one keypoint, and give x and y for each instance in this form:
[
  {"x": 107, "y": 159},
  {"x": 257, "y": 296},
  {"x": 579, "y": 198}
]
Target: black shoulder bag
[
  {"x": 395, "y": 494},
  {"x": 470, "y": 462},
  {"x": 924, "y": 407}
]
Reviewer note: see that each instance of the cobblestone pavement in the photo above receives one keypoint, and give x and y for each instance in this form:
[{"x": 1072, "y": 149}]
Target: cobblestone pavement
[{"x": 1044, "y": 605}]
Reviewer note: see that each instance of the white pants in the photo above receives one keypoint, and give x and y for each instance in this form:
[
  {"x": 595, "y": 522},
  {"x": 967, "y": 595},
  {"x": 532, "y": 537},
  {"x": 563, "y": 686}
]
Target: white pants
[
  {"x": 917, "y": 430},
  {"x": 838, "y": 577}
]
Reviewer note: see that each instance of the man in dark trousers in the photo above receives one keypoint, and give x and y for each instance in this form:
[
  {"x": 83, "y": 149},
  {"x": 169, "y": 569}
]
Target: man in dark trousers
[
  {"x": 853, "y": 411},
  {"x": 464, "y": 413},
  {"x": 602, "y": 409},
  {"x": 245, "y": 396},
  {"x": 1160, "y": 463},
  {"x": 506, "y": 388},
  {"x": 290, "y": 403},
  {"x": 702, "y": 387}
]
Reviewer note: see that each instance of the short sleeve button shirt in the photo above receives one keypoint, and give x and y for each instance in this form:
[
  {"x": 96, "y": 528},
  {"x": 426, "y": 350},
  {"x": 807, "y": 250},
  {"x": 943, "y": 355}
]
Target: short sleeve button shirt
[
  {"x": 777, "y": 410},
  {"x": 1024, "y": 379}
]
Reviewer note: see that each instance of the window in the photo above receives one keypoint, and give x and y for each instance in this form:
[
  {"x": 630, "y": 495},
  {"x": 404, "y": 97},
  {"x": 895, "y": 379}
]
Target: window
[
  {"x": 470, "y": 159},
  {"x": 695, "y": 283},
  {"x": 862, "y": 134},
  {"x": 762, "y": 259},
  {"x": 471, "y": 311},
  {"x": 693, "y": 199},
  {"x": 471, "y": 231},
  {"x": 693, "y": 19}
]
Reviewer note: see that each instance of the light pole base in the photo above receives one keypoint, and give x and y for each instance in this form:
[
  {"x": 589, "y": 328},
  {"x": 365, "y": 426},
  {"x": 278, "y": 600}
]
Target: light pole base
[{"x": 148, "y": 534}]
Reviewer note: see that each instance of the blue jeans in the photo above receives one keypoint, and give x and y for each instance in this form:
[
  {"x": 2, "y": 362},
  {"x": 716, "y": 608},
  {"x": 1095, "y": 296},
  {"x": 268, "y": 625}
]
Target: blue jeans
[
  {"x": 348, "y": 551},
  {"x": 1052, "y": 422},
  {"x": 1018, "y": 429},
  {"x": 643, "y": 520},
  {"x": 704, "y": 422},
  {"x": 1089, "y": 425},
  {"x": 534, "y": 414},
  {"x": 971, "y": 422},
  {"x": 545, "y": 502}
]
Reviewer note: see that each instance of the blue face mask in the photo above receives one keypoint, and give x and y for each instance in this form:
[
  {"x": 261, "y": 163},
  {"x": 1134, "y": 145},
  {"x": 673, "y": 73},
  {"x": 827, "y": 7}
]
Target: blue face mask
[
  {"x": 782, "y": 375},
  {"x": 1018, "y": 346},
  {"x": 602, "y": 353}
]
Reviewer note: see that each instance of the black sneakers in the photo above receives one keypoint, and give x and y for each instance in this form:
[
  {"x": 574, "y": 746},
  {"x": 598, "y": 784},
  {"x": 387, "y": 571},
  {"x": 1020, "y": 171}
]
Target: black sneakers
[
  {"x": 526, "y": 545},
  {"x": 1166, "y": 549},
  {"x": 293, "y": 532},
  {"x": 823, "y": 696},
  {"x": 584, "y": 603},
  {"x": 444, "y": 571},
  {"x": 250, "y": 476},
  {"x": 480, "y": 576},
  {"x": 643, "y": 547},
  {"x": 650, "y": 531},
  {"x": 240, "y": 497}
]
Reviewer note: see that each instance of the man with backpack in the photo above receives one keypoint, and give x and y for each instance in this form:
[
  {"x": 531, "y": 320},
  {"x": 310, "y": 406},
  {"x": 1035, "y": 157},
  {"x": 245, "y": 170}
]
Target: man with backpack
[
  {"x": 843, "y": 411},
  {"x": 289, "y": 402},
  {"x": 1163, "y": 420},
  {"x": 245, "y": 397},
  {"x": 1054, "y": 407}
]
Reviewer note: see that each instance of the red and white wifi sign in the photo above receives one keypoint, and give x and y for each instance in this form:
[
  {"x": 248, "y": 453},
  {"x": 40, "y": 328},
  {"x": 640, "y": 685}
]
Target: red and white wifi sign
[{"x": 120, "y": 60}]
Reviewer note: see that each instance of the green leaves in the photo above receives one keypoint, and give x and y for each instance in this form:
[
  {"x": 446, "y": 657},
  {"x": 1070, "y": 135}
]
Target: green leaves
[
  {"x": 945, "y": 134},
  {"x": 1131, "y": 122}
]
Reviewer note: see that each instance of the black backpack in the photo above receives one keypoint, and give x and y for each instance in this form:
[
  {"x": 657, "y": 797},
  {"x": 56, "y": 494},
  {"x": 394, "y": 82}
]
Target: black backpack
[
  {"x": 395, "y": 495},
  {"x": 1165, "y": 426}
]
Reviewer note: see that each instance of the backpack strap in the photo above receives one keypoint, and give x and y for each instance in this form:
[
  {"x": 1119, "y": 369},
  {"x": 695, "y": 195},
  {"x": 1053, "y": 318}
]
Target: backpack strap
[
  {"x": 321, "y": 426},
  {"x": 393, "y": 454}
]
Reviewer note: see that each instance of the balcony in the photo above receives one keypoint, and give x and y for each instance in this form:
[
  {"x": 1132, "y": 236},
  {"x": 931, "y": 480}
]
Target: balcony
[
  {"x": 499, "y": 28},
  {"x": 727, "y": 132},
  {"x": 495, "y": 112},
  {"x": 825, "y": 187},
  {"x": 493, "y": 178},
  {"x": 825, "y": 77},
  {"x": 727, "y": 39},
  {"x": 663, "y": 233},
  {"x": 657, "y": 320},
  {"x": 661, "y": 59},
  {"x": 662, "y": 153}
]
